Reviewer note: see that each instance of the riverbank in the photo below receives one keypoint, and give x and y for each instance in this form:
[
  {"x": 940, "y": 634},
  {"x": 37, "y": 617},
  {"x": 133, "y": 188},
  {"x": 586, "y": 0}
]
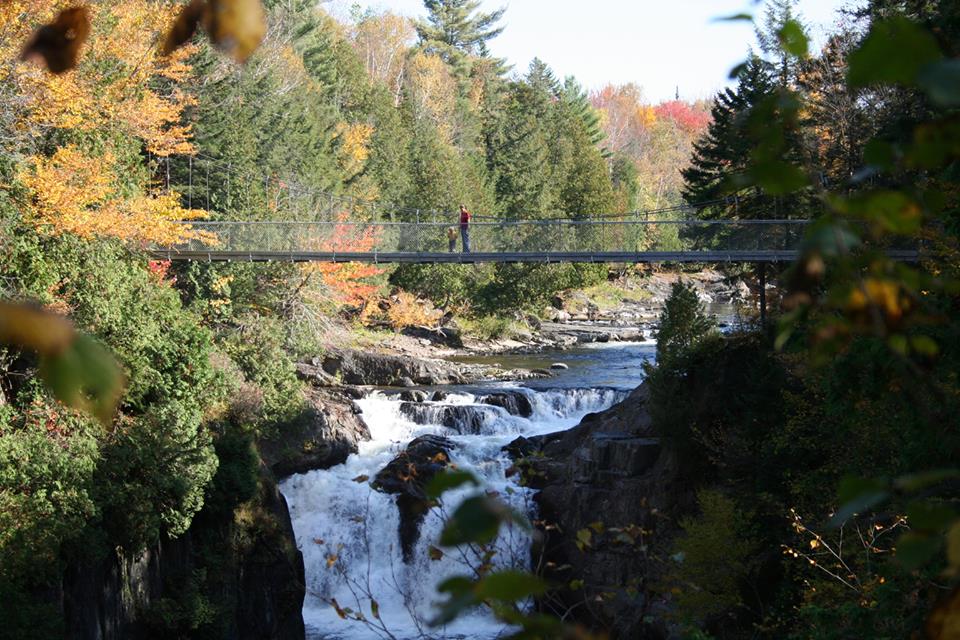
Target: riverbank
[{"x": 623, "y": 310}]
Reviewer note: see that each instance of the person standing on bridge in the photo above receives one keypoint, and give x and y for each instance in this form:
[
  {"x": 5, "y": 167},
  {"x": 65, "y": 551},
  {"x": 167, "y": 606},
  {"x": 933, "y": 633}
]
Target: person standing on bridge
[
  {"x": 452, "y": 238},
  {"x": 465, "y": 228}
]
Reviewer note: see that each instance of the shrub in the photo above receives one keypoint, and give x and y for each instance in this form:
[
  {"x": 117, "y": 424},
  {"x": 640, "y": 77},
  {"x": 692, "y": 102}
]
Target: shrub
[
  {"x": 408, "y": 311},
  {"x": 257, "y": 344},
  {"x": 683, "y": 323},
  {"x": 489, "y": 327},
  {"x": 714, "y": 558}
]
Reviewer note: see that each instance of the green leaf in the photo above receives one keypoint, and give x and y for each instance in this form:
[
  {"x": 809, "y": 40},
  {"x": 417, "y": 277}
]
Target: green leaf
[
  {"x": 510, "y": 586},
  {"x": 84, "y": 376},
  {"x": 584, "y": 539},
  {"x": 456, "y": 584},
  {"x": 916, "y": 549},
  {"x": 462, "y": 598},
  {"x": 895, "y": 51},
  {"x": 830, "y": 240},
  {"x": 447, "y": 480},
  {"x": 941, "y": 81},
  {"x": 893, "y": 211},
  {"x": 925, "y": 346},
  {"x": 777, "y": 177},
  {"x": 880, "y": 154},
  {"x": 928, "y": 516},
  {"x": 476, "y": 520},
  {"x": 793, "y": 40}
]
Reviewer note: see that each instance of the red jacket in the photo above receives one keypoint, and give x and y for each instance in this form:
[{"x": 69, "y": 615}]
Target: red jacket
[{"x": 464, "y": 218}]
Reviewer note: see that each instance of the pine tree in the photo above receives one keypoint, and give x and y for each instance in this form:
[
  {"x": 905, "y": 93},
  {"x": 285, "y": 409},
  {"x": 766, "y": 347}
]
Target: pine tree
[
  {"x": 577, "y": 102},
  {"x": 540, "y": 78},
  {"x": 455, "y": 29},
  {"x": 519, "y": 154},
  {"x": 723, "y": 153},
  {"x": 777, "y": 15}
]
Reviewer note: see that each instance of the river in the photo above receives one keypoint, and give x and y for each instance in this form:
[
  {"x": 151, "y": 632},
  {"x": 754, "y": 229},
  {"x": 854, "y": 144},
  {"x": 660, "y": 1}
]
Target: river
[{"x": 348, "y": 533}]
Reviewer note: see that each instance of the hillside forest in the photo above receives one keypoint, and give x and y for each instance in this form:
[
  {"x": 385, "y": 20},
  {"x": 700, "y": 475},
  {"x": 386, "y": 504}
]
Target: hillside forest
[{"x": 136, "y": 393}]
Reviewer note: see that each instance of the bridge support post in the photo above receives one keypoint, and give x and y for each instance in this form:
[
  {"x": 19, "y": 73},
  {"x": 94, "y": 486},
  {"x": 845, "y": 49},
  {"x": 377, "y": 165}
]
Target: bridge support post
[{"x": 762, "y": 268}]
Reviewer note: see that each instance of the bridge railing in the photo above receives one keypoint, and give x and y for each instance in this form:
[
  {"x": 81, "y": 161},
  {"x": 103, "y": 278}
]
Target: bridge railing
[{"x": 523, "y": 237}]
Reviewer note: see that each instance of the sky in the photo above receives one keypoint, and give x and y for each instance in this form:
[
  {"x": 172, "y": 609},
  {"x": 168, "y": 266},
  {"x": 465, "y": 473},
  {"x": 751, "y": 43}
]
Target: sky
[{"x": 661, "y": 45}]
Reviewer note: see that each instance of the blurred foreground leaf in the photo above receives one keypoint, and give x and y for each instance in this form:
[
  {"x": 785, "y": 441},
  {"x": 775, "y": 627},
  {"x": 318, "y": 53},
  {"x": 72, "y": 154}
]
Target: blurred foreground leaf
[
  {"x": 477, "y": 520},
  {"x": 235, "y": 26},
  {"x": 78, "y": 370},
  {"x": 894, "y": 52},
  {"x": 58, "y": 44}
]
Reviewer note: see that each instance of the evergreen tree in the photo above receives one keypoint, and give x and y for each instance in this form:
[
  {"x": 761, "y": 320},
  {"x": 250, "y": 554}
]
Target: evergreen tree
[
  {"x": 626, "y": 184},
  {"x": 577, "y": 102},
  {"x": 777, "y": 15},
  {"x": 519, "y": 155},
  {"x": 455, "y": 29},
  {"x": 540, "y": 78},
  {"x": 723, "y": 153}
]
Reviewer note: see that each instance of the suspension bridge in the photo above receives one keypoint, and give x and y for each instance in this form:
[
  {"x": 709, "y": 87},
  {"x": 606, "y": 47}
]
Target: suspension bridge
[
  {"x": 504, "y": 241},
  {"x": 322, "y": 227}
]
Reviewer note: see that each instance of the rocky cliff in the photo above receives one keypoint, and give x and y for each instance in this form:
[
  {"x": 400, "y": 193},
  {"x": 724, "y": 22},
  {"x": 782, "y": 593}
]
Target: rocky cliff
[
  {"x": 608, "y": 495},
  {"x": 237, "y": 578}
]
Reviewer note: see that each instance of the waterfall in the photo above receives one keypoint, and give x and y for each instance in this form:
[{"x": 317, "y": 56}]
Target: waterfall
[{"x": 348, "y": 532}]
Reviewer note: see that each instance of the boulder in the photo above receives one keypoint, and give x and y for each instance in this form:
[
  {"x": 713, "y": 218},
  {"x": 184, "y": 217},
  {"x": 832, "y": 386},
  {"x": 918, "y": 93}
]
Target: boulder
[
  {"x": 559, "y": 366},
  {"x": 462, "y": 418},
  {"x": 407, "y": 476},
  {"x": 323, "y": 436},
  {"x": 414, "y": 395},
  {"x": 446, "y": 336},
  {"x": 516, "y": 404}
]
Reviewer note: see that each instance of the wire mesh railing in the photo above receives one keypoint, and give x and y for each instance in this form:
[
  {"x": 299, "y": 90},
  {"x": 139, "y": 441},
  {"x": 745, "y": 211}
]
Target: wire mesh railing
[{"x": 502, "y": 237}]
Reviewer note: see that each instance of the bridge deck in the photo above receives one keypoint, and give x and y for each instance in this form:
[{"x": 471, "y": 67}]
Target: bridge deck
[{"x": 502, "y": 257}]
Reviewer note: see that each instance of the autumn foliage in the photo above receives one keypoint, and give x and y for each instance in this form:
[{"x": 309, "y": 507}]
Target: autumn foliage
[
  {"x": 121, "y": 92},
  {"x": 349, "y": 283}
]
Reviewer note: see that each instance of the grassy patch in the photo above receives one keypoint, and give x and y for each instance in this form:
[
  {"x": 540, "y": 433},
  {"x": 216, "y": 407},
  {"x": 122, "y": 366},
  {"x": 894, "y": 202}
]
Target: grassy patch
[{"x": 490, "y": 327}]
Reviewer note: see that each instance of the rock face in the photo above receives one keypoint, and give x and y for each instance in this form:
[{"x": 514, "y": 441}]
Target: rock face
[
  {"x": 325, "y": 436},
  {"x": 367, "y": 368},
  {"x": 407, "y": 476},
  {"x": 611, "y": 492},
  {"x": 262, "y": 578}
]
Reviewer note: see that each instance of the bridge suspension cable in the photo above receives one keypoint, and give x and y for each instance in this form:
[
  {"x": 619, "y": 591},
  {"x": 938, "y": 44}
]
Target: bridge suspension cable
[{"x": 330, "y": 201}]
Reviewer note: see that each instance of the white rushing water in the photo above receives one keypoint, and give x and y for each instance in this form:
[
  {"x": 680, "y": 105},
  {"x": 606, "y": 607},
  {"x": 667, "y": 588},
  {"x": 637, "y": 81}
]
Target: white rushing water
[{"x": 348, "y": 533}]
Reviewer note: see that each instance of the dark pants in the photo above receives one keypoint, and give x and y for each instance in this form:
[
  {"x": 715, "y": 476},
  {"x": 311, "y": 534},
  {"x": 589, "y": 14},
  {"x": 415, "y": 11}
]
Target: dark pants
[
  {"x": 465, "y": 236},
  {"x": 453, "y": 244}
]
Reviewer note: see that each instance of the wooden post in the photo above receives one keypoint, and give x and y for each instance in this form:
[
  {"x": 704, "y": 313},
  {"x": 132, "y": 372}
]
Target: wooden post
[{"x": 762, "y": 266}]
